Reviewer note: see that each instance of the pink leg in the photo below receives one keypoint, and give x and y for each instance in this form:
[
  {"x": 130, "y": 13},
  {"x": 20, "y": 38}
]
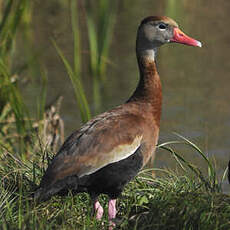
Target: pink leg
[
  {"x": 112, "y": 213},
  {"x": 98, "y": 209}
]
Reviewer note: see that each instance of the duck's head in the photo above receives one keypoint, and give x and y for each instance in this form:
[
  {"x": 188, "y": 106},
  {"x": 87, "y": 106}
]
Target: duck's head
[{"x": 155, "y": 31}]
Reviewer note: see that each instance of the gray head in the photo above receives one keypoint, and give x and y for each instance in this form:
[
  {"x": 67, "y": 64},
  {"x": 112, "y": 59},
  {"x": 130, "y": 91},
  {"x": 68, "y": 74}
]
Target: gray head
[{"x": 155, "y": 31}]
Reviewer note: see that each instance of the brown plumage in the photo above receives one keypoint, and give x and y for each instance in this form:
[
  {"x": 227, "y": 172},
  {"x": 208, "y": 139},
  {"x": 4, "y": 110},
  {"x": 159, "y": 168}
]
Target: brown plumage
[
  {"x": 109, "y": 150},
  {"x": 165, "y": 19}
]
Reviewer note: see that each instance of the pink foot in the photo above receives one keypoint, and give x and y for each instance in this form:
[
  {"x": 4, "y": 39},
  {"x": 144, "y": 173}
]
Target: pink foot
[
  {"x": 99, "y": 210},
  {"x": 112, "y": 213}
]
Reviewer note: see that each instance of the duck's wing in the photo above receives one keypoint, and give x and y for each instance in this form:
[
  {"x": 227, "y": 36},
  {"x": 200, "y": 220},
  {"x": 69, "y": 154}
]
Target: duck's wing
[{"x": 106, "y": 139}]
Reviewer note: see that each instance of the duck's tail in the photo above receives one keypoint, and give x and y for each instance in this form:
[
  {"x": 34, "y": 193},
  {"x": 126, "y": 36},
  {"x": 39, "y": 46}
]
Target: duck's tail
[{"x": 44, "y": 193}]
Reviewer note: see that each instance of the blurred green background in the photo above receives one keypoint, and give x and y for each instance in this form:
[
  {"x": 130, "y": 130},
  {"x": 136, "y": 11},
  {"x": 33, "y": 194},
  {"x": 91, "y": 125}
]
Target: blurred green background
[{"x": 86, "y": 50}]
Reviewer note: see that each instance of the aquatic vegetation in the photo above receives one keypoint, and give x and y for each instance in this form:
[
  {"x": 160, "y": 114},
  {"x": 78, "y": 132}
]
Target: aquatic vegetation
[{"x": 173, "y": 200}]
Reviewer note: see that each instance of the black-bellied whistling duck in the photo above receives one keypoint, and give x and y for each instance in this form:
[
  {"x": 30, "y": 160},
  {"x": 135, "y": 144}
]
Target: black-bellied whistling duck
[{"x": 109, "y": 150}]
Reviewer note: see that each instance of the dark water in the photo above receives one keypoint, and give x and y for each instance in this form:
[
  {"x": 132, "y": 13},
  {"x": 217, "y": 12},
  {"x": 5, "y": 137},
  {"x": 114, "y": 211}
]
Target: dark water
[{"x": 196, "y": 81}]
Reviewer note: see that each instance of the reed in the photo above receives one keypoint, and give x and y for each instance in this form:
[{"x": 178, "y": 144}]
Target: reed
[
  {"x": 16, "y": 123},
  {"x": 211, "y": 181},
  {"x": 12, "y": 17},
  {"x": 74, "y": 72},
  {"x": 100, "y": 26}
]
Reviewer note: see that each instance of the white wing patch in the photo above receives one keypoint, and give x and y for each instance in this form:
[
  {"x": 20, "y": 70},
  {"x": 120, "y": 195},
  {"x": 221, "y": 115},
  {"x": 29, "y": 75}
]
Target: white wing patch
[{"x": 117, "y": 154}]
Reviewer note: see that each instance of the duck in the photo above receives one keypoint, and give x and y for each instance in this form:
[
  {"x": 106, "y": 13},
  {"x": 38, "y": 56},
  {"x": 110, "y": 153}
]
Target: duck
[{"x": 108, "y": 151}]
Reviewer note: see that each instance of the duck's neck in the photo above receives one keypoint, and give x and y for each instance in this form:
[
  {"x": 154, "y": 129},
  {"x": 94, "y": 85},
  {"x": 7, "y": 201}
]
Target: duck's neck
[{"x": 149, "y": 87}]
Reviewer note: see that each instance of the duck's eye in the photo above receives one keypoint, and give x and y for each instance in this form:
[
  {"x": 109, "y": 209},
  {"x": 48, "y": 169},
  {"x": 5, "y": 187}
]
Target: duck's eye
[{"x": 162, "y": 26}]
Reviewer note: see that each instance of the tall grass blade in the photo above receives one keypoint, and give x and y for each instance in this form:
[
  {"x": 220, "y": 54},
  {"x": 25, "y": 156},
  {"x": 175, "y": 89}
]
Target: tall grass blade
[
  {"x": 76, "y": 37},
  {"x": 93, "y": 45},
  {"x": 172, "y": 151},
  {"x": 19, "y": 108},
  {"x": 224, "y": 174},
  {"x": 211, "y": 170},
  {"x": 94, "y": 61},
  {"x": 107, "y": 16},
  {"x": 193, "y": 168},
  {"x": 100, "y": 29},
  {"x": 6, "y": 14},
  {"x": 13, "y": 14},
  {"x": 212, "y": 182},
  {"x": 77, "y": 85},
  {"x": 41, "y": 102}
]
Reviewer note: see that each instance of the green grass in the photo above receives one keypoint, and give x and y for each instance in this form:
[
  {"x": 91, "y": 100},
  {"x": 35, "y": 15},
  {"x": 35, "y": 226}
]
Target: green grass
[
  {"x": 171, "y": 201},
  {"x": 179, "y": 202}
]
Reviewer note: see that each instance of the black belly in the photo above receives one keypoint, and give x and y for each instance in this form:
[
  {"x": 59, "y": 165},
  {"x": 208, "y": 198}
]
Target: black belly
[{"x": 112, "y": 178}]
